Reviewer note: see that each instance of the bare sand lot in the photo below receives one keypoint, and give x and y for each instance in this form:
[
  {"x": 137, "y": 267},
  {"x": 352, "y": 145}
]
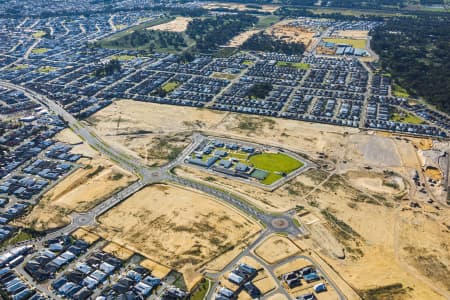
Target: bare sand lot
[
  {"x": 80, "y": 191},
  {"x": 179, "y": 24},
  {"x": 239, "y": 39},
  {"x": 78, "y": 146},
  {"x": 138, "y": 117},
  {"x": 430, "y": 254},
  {"x": 292, "y": 34},
  {"x": 380, "y": 183},
  {"x": 355, "y": 204},
  {"x": 83, "y": 189},
  {"x": 118, "y": 251},
  {"x": 276, "y": 248},
  {"x": 378, "y": 150},
  {"x": 277, "y": 297},
  {"x": 280, "y": 200},
  {"x": 292, "y": 266},
  {"x": 85, "y": 235},
  {"x": 353, "y": 34},
  {"x": 219, "y": 263},
  {"x": 154, "y": 150},
  {"x": 376, "y": 254},
  {"x": 347, "y": 147},
  {"x": 175, "y": 226},
  {"x": 158, "y": 270},
  {"x": 242, "y": 7}
]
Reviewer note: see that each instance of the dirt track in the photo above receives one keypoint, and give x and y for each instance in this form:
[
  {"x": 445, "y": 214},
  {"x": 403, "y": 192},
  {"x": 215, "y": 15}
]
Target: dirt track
[
  {"x": 177, "y": 25},
  {"x": 177, "y": 227},
  {"x": 357, "y": 196},
  {"x": 81, "y": 190}
]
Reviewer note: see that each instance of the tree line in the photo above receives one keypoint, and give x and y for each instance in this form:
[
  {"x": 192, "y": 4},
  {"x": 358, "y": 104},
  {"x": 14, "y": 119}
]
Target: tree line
[
  {"x": 415, "y": 50},
  {"x": 216, "y": 31},
  {"x": 151, "y": 39},
  {"x": 111, "y": 67},
  {"x": 294, "y": 12},
  {"x": 265, "y": 42}
]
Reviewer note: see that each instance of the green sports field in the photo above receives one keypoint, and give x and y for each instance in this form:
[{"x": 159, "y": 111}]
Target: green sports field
[
  {"x": 170, "y": 86},
  {"x": 406, "y": 118},
  {"x": 275, "y": 164},
  {"x": 292, "y": 65},
  {"x": 39, "y": 50}
]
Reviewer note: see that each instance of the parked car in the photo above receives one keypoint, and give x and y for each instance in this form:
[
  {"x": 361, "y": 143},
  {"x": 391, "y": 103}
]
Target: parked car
[{"x": 319, "y": 288}]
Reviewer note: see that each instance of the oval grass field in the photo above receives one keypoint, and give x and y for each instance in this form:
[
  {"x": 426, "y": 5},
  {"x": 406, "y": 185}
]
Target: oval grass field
[{"x": 274, "y": 163}]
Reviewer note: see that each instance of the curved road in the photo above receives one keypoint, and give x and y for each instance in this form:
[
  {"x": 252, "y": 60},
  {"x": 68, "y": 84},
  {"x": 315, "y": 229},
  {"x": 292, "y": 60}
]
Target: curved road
[
  {"x": 276, "y": 223},
  {"x": 148, "y": 175}
]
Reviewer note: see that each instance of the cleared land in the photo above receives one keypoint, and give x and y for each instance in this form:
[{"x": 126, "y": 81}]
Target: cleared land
[
  {"x": 143, "y": 25},
  {"x": 371, "y": 243},
  {"x": 277, "y": 297},
  {"x": 279, "y": 200},
  {"x": 177, "y": 227},
  {"x": 85, "y": 235},
  {"x": 390, "y": 184},
  {"x": 355, "y": 43},
  {"x": 276, "y": 248},
  {"x": 433, "y": 173},
  {"x": 291, "y": 34},
  {"x": 118, "y": 251},
  {"x": 376, "y": 253},
  {"x": 158, "y": 270},
  {"x": 239, "y": 39},
  {"x": 241, "y": 7},
  {"x": 179, "y": 24},
  {"x": 80, "y": 191},
  {"x": 171, "y": 41},
  {"x": 353, "y": 34}
]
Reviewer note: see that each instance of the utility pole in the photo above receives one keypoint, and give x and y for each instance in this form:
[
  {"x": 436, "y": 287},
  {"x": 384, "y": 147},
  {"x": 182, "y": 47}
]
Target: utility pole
[{"x": 118, "y": 123}]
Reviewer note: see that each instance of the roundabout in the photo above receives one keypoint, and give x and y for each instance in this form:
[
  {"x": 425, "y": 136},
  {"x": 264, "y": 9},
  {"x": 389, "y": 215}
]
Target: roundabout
[
  {"x": 280, "y": 223},
  {"x": 83, "y": 219}
]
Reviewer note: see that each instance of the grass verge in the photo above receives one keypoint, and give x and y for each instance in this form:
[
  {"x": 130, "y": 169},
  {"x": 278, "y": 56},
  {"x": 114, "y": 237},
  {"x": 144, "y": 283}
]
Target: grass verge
[
  {"x": 201, "y": 291},
  {"x": 302, "y": 66}
]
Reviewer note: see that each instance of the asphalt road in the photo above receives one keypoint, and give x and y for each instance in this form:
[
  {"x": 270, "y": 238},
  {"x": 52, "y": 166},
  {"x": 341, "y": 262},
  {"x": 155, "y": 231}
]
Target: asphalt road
[
  {"x": 150, "y": 175},
  {"x": 276, "y": 223},
  {"x": 279, "y": 289}
]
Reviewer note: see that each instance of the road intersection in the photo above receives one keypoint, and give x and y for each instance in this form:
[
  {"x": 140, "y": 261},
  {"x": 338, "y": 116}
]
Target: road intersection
[{"x": 272, "y": 223}]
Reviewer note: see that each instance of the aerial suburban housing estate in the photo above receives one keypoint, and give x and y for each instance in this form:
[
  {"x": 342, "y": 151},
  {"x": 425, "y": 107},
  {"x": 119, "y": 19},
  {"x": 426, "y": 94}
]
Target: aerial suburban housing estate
[{"x": 229, "y": 150}]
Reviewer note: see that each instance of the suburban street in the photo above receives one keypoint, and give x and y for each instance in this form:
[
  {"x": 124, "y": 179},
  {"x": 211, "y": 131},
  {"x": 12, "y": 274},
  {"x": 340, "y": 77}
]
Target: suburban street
[
  {"x": 249, "y": 251},
  {"x": 223, "y": 151},
  {"x": 148, "y": 176}
]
